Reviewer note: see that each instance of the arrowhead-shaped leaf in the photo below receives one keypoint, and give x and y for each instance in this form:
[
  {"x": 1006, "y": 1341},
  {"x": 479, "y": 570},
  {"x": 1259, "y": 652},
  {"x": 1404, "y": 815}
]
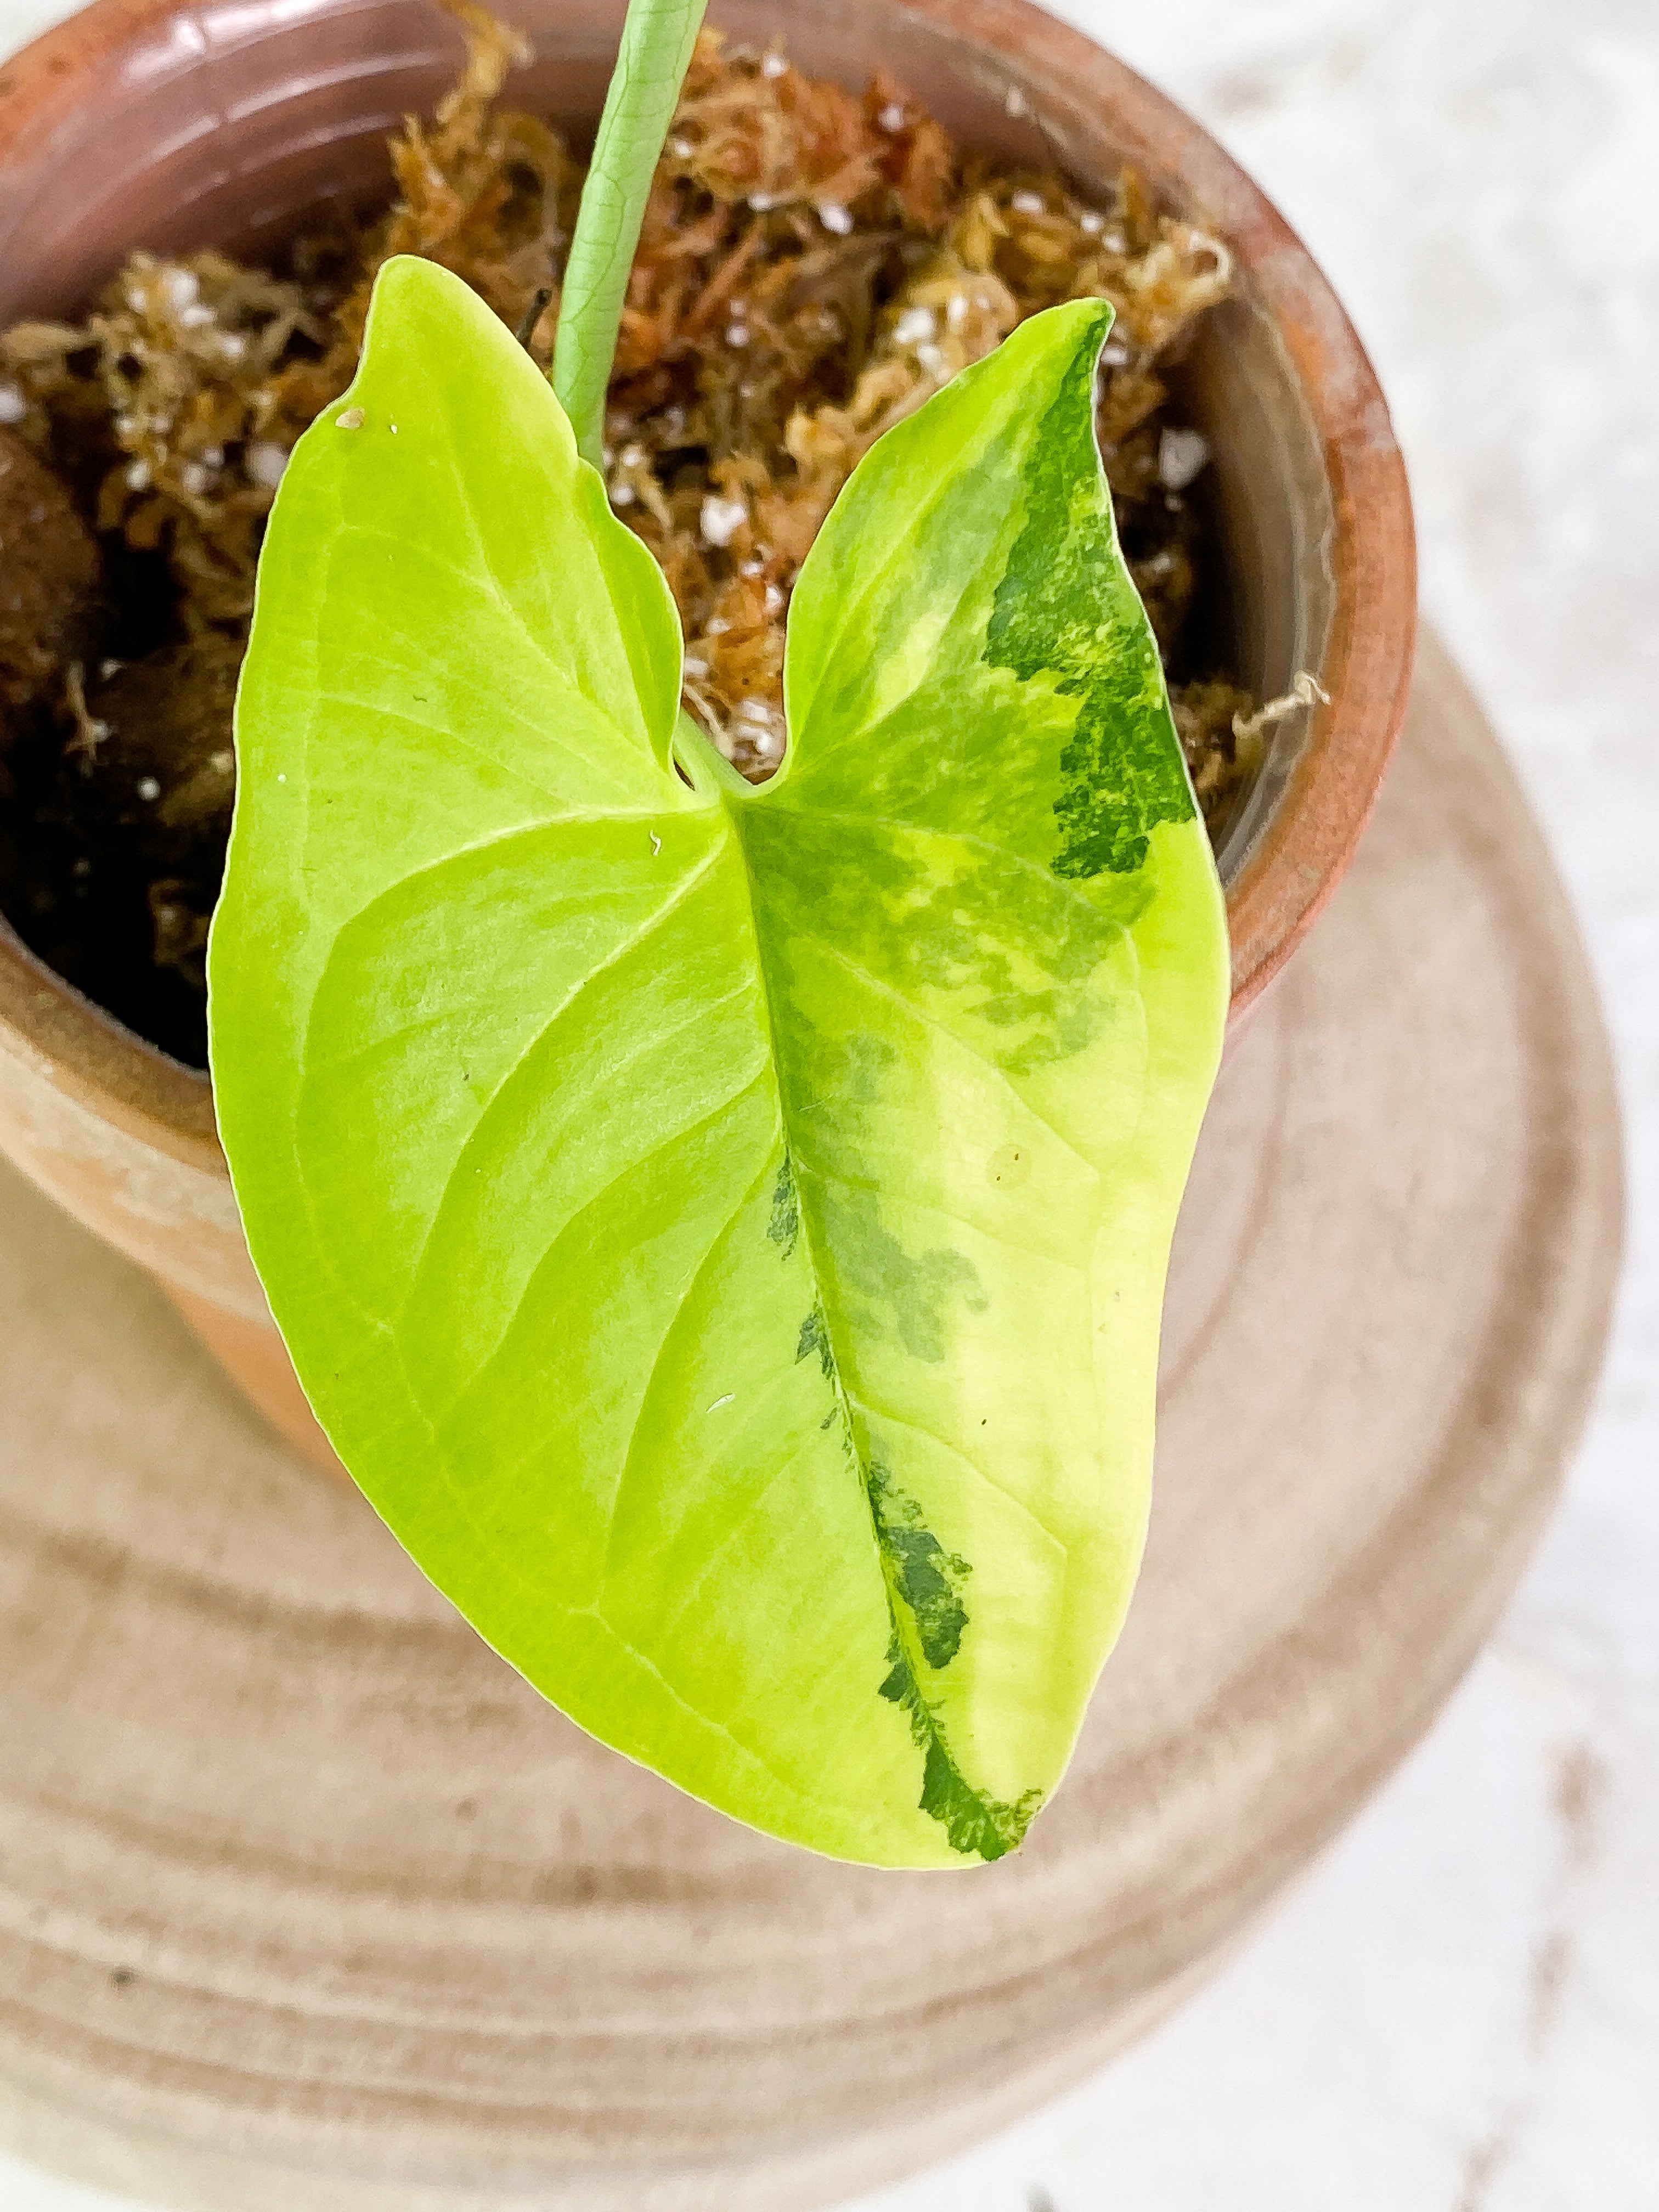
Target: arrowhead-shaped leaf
[{"x": 724, "y": 1230}]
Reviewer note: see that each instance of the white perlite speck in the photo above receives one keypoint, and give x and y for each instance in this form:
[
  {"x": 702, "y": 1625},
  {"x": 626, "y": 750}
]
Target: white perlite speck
[
  {"x": 1181, "y": 455},
  {"x": 834, "y": 217},
  {"x": 721, "y": 520},
  {"x": 1028, "y": 203},
  {"x": 353, "y": 419},
  {"x": 915, "y": 326},
  {"x": 13, "y": 405},
  {"x": 761, "y": 725},
  {"x": 265, "y": 463},
  {"x": 891, "y": 117}
]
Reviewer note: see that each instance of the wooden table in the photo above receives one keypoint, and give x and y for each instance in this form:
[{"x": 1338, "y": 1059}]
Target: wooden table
[{"x": 308, "y": 1905}]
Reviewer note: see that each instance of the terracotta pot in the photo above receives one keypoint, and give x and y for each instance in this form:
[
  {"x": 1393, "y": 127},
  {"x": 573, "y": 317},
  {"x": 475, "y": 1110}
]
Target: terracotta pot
[{"x": 141, "y": 123}]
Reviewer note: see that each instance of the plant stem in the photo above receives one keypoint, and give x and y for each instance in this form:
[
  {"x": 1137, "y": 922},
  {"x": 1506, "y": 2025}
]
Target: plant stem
[{"x": 657, "y": 41}]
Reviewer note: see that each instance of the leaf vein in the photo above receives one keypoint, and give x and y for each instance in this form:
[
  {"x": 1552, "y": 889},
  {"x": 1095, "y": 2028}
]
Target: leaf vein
[
  {"x": 885, "y": 1413},
  {"x": 920, "y": 1014},
  {"x": 629, "y": 1167},
  {"x": 714, "y": 1244}
]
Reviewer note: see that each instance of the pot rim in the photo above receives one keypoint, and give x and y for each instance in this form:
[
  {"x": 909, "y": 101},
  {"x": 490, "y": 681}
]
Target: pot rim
[{"x": 1306, "y": 844}]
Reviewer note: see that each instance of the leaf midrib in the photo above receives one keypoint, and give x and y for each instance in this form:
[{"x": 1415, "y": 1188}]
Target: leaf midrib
[{"x": 902, "y": 1628}]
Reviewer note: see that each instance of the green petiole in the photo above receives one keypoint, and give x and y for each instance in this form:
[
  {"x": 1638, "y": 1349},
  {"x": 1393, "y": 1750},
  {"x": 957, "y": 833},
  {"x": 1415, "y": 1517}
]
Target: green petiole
[{"x": 657, "y": 44}]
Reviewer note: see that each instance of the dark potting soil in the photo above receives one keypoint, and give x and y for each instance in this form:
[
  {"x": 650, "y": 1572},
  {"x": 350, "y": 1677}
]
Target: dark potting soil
[{"x": 813, "y": 266}]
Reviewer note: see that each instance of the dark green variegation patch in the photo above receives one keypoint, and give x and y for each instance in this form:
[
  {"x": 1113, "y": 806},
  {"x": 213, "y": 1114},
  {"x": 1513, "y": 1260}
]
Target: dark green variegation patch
[
  {"x": 784, "y": 1227},
  {"x": 723, "y": 1231},
  {"x": 976, "y": 1825},
  {"x": 1122, "y": 768},
  {"x": 815, "y": 1338},
  {"x": 926, "y": 1578}
]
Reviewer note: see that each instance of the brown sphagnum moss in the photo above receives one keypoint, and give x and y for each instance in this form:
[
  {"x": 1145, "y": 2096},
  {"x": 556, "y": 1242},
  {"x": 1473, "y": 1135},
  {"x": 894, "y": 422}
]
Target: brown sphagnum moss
[
  {"x": 813, "y": 266},
  {"x": 50, "y": 580}
]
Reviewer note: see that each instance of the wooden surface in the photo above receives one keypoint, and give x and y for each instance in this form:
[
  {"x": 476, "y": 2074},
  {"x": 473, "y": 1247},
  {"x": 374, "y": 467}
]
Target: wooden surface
[{"x": 307, "y": 1904}]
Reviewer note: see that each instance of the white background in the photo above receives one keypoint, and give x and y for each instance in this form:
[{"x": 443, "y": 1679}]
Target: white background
[{"x": 1459, "y": 2010}]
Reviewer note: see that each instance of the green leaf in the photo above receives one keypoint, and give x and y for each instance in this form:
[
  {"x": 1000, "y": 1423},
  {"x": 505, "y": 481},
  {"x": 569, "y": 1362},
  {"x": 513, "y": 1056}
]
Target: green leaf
[{"x": 723, "y": 1230}]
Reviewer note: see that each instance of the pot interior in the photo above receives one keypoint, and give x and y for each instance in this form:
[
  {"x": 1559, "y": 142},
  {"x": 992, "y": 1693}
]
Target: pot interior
[{"x": 229, "y": 124}]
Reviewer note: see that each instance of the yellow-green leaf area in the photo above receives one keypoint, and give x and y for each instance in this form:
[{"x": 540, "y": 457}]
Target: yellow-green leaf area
[{"x": 723, "y": 1231}]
